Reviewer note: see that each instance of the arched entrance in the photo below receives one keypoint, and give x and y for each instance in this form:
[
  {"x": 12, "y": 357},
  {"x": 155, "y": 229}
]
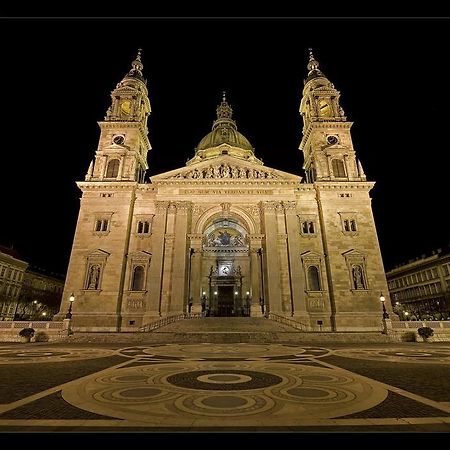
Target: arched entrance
[{"x": 226, "y": 263}]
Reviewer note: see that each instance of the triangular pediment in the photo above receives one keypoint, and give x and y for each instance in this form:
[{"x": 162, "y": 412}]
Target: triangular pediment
[
  {"x": 353, "y": 253},
  {"x": 226, "y": 167}
]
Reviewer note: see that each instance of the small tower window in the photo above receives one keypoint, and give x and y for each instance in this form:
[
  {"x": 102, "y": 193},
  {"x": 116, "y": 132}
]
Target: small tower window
[
  {"x": 338, "y": 168},
  {"x": 113, "y": 169},
  {"x": 313, "y": 278},
  {"x": 137, "y": 283},
  {"x": 101, "y": 225},
  {"x": 143, "y": 227}
]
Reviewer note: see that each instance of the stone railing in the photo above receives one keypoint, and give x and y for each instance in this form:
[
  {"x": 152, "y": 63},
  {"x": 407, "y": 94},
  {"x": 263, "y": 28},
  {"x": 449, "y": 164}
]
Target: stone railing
[
  {"x": 169, "y": 319},
  {"x": 284, "y": 320},
  {"x": 407, "y": 330},
  {"x": 9, "y": 330},
  {"x": 437, "y": 325}
]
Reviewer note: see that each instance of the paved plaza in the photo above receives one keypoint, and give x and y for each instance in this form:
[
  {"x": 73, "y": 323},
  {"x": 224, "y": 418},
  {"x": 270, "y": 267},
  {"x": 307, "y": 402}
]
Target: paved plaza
[{"x": 224, "y": 387}]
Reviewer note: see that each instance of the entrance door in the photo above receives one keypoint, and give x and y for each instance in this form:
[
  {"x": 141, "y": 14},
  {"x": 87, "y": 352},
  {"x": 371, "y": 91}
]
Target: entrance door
[{"x": 225, "y": 301}]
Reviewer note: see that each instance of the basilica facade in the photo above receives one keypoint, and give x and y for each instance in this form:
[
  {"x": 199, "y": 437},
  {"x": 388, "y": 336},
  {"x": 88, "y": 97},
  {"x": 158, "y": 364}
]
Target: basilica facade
[{"x": 225, "y": 235}]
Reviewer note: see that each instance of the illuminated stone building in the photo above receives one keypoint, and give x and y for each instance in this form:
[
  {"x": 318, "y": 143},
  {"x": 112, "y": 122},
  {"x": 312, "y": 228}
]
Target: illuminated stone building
[
  {"x": 225, "y": 235},
  {"x": 421, "y": 287}
]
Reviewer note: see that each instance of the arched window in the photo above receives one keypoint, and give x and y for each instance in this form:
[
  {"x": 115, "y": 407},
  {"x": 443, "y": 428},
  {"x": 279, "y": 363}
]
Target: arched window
[
  {"x": 138, "y": 279},
  {"x": 113, "y": 169},
  {"x": 313, "y": 278},
  {"x": 338, "y": 168}
]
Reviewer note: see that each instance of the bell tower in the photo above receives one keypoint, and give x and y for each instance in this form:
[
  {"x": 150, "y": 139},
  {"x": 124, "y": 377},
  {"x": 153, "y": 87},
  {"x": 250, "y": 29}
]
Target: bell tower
[
  {"x": 123, "y": 145},
  {"x": 327, "y": 143}
]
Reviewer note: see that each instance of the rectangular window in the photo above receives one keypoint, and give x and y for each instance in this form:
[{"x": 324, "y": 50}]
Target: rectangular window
[
  {"x": 346, "y": 225},
  {"x": 353, "y": 225},
  {"x": 445, "y": 269},
  {"x": 143, "y": 227},
  {"x": 2, "y": 271},
  {"x": 308, "y": 227},
  {"x": 101, "y": 225}
]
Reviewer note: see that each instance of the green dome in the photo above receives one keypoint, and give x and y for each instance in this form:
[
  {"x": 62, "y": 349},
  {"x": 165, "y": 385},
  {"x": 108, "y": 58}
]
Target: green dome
[{"x": 224, "y": 135}]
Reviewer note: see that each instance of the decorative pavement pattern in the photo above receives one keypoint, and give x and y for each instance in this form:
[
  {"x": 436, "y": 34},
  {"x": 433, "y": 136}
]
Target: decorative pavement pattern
[{"x": 223, "y": 387}]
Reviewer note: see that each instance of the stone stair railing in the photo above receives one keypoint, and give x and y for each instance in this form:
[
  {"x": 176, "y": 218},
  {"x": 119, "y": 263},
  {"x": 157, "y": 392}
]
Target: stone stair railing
[
  {"x": 169, "y": 319},
  {"x": 284, "y": 320}
]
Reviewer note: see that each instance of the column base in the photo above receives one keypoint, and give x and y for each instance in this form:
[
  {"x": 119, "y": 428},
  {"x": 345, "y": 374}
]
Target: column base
[{"x": 255, "y": 311}]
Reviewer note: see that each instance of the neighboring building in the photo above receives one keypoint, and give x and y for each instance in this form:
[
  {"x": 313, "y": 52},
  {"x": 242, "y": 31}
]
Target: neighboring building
[
  {"x": 421, "y": 287},
  {"x": 12, "y": 270},
  {"x": 40, "y": 297},
  {"x": 26, "y": 292},
  {"x": 225, "y": 235}
]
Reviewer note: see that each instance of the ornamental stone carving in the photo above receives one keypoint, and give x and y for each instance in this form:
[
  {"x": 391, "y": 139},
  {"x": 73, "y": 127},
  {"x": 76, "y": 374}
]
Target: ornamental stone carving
[{"x": 226, "y": 171}]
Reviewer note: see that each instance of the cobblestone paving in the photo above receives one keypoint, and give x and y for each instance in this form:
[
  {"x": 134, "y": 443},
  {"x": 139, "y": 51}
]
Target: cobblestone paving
[{"x": 223, "y": 387}]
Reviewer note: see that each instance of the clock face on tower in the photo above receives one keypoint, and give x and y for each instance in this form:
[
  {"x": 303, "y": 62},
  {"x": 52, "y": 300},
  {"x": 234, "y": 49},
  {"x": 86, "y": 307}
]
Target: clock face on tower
[
  {"x": 125, "y": 107},
  {"x": 331, "y": 139},
  {"x": 119, "y": 139}
]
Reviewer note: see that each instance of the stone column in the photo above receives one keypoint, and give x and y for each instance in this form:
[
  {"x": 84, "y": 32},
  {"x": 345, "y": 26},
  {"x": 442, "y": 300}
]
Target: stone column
[
  {"x": 196, "y": 272},
  {"x": 255, "y": 270},
  {"x": 154, "y": 281},
  {"x": 296, "y": 272},
  {"x": 272, "y": 294}
]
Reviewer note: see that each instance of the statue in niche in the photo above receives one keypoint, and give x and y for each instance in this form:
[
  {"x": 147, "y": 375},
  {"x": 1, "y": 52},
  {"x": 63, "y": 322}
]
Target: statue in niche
[
  {"x": 94, "y": 277},
  {"x": 214, "y": 271},
  {"x": 196, "y": 174},
  {"x": 237, "y": 271},
  {"x": 235, "y": 172},
  {"x": 250, "y": 173},
  {"x": 242, "y": 173},
  {"x": 358, "y": 279}
]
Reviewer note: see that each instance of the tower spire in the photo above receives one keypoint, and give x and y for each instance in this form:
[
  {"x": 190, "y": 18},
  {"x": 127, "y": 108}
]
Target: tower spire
[
  {"x": 136, "y": 65},
  {"x": 313, "y": 64}
]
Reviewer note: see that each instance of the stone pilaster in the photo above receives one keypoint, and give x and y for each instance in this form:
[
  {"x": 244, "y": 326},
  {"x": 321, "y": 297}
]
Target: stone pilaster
[
  {"x": 179, "y": 294},
  {"x": 169, "y": 238},
  {"x": 154, "y": 280},
  {"x": 272, "y": 291},
  {"x": 297, "y": 280}
]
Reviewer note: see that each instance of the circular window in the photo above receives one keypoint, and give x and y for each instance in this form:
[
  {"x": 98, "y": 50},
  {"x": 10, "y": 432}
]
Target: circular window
[
  {"x": 119, "y": 139},
  {"x": 332, "y": 139}
]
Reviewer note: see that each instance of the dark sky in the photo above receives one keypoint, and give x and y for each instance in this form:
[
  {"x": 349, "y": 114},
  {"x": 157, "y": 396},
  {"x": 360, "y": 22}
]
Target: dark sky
[{"x": 57, "y": 75}]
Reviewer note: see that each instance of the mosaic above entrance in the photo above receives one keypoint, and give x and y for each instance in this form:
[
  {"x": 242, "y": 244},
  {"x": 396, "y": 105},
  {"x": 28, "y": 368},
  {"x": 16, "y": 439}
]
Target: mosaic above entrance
[{"x": 225, "y": 237}]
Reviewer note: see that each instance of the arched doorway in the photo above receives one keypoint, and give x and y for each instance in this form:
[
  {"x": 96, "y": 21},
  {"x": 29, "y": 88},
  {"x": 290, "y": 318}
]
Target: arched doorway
[{"x": 226, "y": 279}]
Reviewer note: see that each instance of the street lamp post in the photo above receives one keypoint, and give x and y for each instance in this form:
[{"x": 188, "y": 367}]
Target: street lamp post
[
  {"x": 385, "y": 313},
  {"x": 71, "y": 300}
]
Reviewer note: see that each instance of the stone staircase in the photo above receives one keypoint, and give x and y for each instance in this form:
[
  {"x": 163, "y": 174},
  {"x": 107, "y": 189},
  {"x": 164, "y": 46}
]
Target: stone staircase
[{"x": 251, "y": 330}]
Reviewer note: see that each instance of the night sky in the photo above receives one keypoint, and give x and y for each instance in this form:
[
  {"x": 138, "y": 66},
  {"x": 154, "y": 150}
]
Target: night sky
[{"x": 57, "y": 75}]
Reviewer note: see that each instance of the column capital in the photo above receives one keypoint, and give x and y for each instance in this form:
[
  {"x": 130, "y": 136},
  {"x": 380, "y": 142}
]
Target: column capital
[{"x": 161, "y": 206}]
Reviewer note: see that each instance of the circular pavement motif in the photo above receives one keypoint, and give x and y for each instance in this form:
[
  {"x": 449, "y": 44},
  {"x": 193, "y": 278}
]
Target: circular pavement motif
[
  {"x": 402, "y": 355},
  {"x": 10, "y": 356},
  {"x": 231, "y": 393},
  {"x": 248, "y": 380}
]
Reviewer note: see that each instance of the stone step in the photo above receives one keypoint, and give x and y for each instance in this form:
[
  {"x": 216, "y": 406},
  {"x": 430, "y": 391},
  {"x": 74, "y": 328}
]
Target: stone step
[{"x": 297, "y": 338}]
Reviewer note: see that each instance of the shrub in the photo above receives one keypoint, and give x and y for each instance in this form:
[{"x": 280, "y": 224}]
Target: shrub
[
  {"x": 425, "y": 332},
  {"x": 41, "y": 336},
  {"x": 26, "y": 332}
]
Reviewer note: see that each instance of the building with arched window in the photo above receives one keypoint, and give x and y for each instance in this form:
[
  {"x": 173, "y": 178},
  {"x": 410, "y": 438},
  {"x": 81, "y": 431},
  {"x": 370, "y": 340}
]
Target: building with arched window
[{"x": 225, "y": 235}]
